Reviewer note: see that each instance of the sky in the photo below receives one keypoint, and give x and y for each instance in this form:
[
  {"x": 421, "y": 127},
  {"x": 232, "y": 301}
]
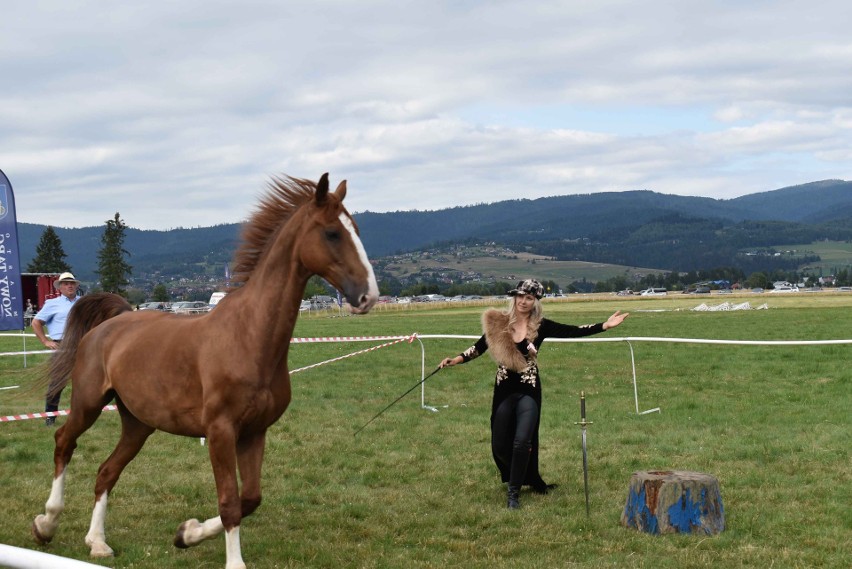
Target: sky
[{"x": 177, "y": 114}]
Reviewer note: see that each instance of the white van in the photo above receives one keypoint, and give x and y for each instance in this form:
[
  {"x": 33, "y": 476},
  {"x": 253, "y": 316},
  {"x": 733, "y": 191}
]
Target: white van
[
  {"x": 654, "y": 292},
  {"x": 215, "y": 298}
]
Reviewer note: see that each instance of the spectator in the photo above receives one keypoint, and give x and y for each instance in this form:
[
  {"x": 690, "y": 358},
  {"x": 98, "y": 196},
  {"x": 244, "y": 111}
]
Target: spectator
[{"x": 53, "y": 315}]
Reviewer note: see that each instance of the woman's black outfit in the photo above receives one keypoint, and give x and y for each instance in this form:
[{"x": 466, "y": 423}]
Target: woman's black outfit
[{"x": 516, "y": 405}]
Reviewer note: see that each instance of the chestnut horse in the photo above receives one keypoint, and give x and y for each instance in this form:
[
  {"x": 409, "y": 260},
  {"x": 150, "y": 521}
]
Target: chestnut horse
[{"x": 220, "y": 375}]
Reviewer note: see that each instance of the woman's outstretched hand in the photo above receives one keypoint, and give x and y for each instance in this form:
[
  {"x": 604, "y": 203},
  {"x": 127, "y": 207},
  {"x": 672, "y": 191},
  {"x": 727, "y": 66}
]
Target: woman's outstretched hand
[
  {"x": 447, "y": 362},
  {"x": 615, "y": 319}
]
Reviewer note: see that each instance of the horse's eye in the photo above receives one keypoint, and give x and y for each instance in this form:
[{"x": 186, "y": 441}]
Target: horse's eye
[{"x": 332, "y": 235}]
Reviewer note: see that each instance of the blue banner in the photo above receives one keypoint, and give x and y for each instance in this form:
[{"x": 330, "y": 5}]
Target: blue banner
[{"x": 11, "y": 293}]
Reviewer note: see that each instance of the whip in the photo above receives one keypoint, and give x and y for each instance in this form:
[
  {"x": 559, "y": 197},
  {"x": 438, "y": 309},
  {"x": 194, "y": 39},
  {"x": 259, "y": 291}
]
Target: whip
[{"x": 395, "y": 401}]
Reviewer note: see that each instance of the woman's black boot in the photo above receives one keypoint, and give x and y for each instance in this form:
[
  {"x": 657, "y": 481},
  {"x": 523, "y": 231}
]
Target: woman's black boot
[{"x": 513, "y": 502}]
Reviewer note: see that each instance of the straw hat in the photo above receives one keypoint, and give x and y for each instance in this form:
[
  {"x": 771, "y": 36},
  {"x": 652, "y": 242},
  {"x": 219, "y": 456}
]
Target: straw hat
[{"x": 65, "y": 278}]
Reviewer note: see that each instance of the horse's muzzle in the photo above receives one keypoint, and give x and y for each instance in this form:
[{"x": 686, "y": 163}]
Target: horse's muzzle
[{"x": 362, "y": 304}]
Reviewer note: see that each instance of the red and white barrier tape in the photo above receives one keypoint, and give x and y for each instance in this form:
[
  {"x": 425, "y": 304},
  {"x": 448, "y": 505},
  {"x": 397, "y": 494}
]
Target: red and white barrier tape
[
  {"x": 45, "y": 414},
  {"x": 351, "y": 339},
  {"x": 396, "y": 340},
  {"x": 337, "y": 359}
]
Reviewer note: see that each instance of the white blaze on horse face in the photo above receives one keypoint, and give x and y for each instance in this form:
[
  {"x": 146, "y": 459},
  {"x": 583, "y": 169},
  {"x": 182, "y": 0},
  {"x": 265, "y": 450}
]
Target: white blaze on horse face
[{"x": 373, "y": 291}]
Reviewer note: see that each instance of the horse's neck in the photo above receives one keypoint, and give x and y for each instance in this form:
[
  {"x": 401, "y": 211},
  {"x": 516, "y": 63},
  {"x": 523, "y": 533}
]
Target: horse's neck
[{"x": 271, "y": 300}]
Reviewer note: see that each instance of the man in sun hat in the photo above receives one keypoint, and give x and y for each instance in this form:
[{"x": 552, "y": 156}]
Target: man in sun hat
[{"x": 53, "y": 314}]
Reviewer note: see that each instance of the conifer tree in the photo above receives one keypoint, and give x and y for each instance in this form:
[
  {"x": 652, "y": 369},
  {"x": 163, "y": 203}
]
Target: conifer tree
[
  {"x": 50, "y": 256},
  {"x": 315, "y": 287},
  {"x": 113, "y": 269},
  {"x": 160, "y": 293}
]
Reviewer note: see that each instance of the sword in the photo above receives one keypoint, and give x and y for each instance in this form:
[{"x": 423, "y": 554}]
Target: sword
[
  {"x": 395, "y": 401},
  {"x": 583, "y": 424}
]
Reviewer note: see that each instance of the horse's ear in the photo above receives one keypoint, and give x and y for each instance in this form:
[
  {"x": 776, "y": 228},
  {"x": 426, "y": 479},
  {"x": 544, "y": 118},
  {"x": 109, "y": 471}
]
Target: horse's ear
[
  {"x": 340, "y": 192},
  {"x": 322, "y": 189}
]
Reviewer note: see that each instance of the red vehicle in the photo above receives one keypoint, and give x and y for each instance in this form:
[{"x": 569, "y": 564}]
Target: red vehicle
[{"x": 38, "y": 287}]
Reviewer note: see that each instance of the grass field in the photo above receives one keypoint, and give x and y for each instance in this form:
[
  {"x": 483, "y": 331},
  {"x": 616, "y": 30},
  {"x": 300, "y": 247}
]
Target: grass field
[
  {"x": 833, "y": 254},
  {"x": 418, "y": 488},
  {"x": 511, "y": 269}
]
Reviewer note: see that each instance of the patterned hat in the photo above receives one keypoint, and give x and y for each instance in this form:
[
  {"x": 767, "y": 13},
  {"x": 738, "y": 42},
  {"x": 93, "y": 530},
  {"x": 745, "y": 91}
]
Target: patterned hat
[{"x": 529, "y": 286}]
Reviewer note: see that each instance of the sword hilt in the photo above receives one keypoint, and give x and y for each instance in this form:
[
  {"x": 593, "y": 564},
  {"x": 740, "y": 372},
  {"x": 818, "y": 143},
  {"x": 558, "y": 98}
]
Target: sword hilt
[{"x": 583, "y": 421}]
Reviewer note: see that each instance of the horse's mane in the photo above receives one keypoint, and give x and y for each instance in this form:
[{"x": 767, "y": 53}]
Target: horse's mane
[{"x": 285, "y": 196}]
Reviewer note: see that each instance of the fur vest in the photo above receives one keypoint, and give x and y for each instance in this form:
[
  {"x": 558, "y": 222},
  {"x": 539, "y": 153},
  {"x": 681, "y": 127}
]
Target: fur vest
[{"x": 501, "y": 347}]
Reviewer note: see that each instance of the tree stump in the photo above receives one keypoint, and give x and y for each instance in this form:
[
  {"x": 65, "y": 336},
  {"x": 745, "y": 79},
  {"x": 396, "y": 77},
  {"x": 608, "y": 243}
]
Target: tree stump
[{"x": 674, "y": 501}]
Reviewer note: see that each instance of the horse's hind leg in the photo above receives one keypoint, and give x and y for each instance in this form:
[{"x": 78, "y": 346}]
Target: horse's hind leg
[
  {"x": 84, "y": 416},
  {"x": 133, "y": 436}
]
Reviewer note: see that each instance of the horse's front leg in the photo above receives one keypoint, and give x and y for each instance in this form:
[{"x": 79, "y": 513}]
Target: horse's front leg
[
  {"x": 221, "y": 442},
  {"x": 250, "y": 460}
]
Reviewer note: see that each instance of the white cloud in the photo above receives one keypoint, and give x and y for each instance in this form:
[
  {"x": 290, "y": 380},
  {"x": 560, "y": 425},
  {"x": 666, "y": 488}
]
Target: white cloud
[{"x": 175, "y": 114}]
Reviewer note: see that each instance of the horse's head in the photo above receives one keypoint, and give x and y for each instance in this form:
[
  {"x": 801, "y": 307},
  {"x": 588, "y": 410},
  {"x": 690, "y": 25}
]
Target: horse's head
[{"x": 332, "y": 249}]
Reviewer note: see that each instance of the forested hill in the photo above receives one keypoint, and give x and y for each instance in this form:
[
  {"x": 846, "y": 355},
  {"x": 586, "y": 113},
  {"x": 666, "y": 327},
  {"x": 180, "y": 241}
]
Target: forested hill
[
  {"x": 165, "y": 252},
  {"x": 598, "y": 216},
  {"x": 639, "y": 228}
]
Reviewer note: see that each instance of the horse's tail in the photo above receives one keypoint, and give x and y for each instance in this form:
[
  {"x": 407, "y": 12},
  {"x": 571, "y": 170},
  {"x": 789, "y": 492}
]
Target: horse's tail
[{"x": 87, "y": 312}]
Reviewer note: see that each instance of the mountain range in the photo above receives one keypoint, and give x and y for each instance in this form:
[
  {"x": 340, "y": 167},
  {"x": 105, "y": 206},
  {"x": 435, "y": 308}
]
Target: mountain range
[{"x": 640, "y": 228}]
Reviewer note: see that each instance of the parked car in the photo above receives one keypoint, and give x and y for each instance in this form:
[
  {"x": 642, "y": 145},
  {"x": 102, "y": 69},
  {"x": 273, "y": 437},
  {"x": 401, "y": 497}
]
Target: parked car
[
  {"x": 785, "y": 289},
  {"x": 654, "y": 292},
  {"x": 153, "y": 306},
  {"x": 190, "y": 307}
]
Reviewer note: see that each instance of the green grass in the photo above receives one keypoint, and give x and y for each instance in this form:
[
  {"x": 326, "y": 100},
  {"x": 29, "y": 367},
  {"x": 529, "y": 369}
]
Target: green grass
[
  {"x": 418, "y": 488},
  {"x": 513, "y": 268},
  {"x": 833, "y": 254}
]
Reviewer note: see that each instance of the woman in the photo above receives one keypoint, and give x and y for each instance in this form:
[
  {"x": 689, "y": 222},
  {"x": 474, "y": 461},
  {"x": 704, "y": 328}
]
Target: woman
[{"x": 513, "y": 338}]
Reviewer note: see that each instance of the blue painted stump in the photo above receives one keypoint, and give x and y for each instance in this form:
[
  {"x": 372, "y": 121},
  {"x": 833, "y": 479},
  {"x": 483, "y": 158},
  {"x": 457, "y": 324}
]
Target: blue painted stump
[{"x": 674, "y": 501}]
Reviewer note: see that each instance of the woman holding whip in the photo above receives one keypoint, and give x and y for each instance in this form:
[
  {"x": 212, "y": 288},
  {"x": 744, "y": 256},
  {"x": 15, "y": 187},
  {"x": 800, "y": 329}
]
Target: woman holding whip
[{"x": 513, "y": 338}]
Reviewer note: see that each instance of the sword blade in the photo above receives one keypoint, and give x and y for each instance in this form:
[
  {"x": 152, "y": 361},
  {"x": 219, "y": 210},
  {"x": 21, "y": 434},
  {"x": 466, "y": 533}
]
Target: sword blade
[{"x": 585, "y": 472}]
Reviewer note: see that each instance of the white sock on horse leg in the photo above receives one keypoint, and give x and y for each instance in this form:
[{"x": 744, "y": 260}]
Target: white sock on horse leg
[
  {"x": 194, "y": 532},
  {"x": 96, "y": 538}
]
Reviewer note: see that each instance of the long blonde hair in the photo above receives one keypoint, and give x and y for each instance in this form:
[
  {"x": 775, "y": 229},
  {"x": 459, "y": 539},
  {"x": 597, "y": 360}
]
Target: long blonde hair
[{"x": 534, "y": 319}]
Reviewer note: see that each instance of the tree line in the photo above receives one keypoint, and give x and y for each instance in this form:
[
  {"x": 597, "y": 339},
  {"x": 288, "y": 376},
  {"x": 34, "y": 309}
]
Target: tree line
[{"x": 113, "y": 269}]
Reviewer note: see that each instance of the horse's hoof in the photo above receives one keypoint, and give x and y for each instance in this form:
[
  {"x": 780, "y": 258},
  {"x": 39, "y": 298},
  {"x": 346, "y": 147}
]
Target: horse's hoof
[
  {"x": 100, "y": 549},
  {"x": 40, "y": 538},
  {"x": 180, "y": 537}
]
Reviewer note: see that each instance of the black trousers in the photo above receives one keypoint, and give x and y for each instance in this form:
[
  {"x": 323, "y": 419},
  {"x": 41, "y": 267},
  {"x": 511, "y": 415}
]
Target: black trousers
[{"x": 511, "y": 434}]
